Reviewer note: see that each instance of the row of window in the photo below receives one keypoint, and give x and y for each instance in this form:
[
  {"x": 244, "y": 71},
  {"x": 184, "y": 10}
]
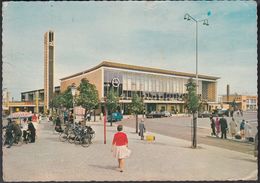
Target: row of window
[
  {"x": 148, "y": 82},
  {"x": 124, "y": 94}
]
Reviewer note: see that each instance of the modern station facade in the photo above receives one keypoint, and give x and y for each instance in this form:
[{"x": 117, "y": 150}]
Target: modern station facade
[{"x": 161, "y": 90}]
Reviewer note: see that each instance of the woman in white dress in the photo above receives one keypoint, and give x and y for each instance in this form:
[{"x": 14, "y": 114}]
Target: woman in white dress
[
  {"x": 233, "y": 127},
  {"x": 248, "y": 128}
]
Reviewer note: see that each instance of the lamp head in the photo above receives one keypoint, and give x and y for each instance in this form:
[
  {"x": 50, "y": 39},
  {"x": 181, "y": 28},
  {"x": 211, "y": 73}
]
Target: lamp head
[{"x": 73, "y": 89}]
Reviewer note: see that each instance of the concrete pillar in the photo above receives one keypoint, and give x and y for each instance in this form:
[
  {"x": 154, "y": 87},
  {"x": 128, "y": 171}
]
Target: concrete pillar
[{"x": 36, "y": 102}]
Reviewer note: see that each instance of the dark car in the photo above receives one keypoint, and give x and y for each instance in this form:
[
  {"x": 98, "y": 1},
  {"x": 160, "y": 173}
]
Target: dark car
[
  {"x": 204, "y": 114},
  {"x": 220, "y": 113},
  {"x": 115, "y": 116},
  {"x": 154, "y": 114}
]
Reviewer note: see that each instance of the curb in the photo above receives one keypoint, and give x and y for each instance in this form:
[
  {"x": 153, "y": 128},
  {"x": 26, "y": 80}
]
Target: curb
[{"x": 234, "y": 140}]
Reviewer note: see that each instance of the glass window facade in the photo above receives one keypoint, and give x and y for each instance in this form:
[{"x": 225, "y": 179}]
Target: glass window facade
[{"x": 150, "y": 86}]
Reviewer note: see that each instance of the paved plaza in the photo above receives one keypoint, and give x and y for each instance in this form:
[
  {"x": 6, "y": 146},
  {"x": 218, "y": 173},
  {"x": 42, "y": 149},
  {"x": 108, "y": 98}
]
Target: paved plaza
[{"x": 167, "y": 158}]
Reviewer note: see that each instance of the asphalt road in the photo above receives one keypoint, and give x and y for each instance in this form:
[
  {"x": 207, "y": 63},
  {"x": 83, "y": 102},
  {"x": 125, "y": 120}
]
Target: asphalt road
[{"x": 180, "y": 127}]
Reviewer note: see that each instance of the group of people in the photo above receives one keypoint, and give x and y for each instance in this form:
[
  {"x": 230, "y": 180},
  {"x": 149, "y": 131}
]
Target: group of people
[
  {"x": 14, "y": 132},
  {"x": 221, "y": 126}
]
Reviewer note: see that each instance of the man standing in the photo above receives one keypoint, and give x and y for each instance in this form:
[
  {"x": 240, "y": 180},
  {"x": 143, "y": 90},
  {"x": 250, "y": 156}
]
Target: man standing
[
  {"x": 242, "y": 129},
  {"x": 223, "y": 126},
  {"x": 213, "y": 126},
  {"x": 32, "y": 131},
  {"x": 256, "y": 145},
  {"x": 17, "y": 132},
  {"x": 142, "y": 129},
  {"x": 65, "y": 117},
  {"x": 9, "y": 139}
]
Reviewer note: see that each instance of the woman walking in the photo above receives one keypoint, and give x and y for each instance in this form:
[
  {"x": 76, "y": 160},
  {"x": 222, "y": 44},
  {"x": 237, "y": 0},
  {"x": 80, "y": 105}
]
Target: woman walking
[{"x": 120, "y": 147}]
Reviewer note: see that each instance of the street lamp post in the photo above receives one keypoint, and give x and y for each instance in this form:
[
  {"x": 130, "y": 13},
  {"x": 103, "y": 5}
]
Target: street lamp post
[
  {"x": 188, "y": 17},
  {"x": 105, "y": 111},
  {"x": 143, "y": 105},
  {"x": 73, "y": 93}
]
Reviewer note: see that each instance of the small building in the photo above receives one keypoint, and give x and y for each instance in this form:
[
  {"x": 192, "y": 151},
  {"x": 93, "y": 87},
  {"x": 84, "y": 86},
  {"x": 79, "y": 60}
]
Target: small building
[
  {"x": 30, "y": 101},
  {"x": 244, "y": 102}
]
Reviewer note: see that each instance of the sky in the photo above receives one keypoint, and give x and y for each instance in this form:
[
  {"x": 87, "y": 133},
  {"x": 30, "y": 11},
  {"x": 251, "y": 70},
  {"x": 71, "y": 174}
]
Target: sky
[{"x": 151, "y": 34}]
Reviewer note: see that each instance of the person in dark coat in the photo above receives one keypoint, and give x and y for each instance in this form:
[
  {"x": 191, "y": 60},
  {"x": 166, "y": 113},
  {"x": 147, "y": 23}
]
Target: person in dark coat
[
  {"x": 9, "y": 139},
  {"x": 17, "y": 132},
  {"x": 65, "y": 117},
  {"x": 256, "y": 145},
  {"x": 58, "y": 124},
  {"x": 32, "y": 131},
  {"x": 223, "y": 126},
  {"x": 71, "y": 118},
  {"x": 213, "y": 126},
  {"x": 142, "y": 129}
]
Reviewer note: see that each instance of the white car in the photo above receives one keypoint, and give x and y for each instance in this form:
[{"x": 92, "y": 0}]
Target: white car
[{"x": 166, "y": 114}]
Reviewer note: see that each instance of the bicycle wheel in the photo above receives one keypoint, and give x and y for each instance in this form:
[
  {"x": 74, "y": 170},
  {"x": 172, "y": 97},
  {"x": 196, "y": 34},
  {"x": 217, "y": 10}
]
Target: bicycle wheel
[
  {"x": 85, "y": 142},
  {"x": 77, "y": 140},
  {"x": 71, "y": 137},
  {"x": 63, "y": 137},
  {"x": 92, "y": 135}
]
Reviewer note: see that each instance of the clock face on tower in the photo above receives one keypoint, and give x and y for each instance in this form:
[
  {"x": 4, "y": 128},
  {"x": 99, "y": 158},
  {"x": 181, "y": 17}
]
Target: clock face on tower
[{"x": 115, "y": 82}]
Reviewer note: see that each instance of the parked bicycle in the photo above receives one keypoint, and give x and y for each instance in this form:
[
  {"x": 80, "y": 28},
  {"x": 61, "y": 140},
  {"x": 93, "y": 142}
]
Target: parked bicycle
[
  {"x": 82, "y": 137},
  {"x": 91, "y": 132},
  {"x": 12, "y": 140},
  {"x": 65, "y": 133},
  {"x": 78, "y": 135}
]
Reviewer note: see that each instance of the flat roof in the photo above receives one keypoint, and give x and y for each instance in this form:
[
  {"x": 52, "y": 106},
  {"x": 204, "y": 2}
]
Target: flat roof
[
  {"x": 32, "y": 91},
  {"x": 139, "y": 68}
]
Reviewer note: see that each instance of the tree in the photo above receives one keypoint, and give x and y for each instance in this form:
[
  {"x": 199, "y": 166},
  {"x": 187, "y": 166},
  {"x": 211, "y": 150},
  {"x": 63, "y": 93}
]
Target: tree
[
  {"x": 64, "y": 99},
  {"x": 112, "y": 102},
  {"x": 192, "y": 104},
  {"x": 137, "y": 106},
  {"x": 57, "y": 101},
  {"x": 88, "y": 97}
]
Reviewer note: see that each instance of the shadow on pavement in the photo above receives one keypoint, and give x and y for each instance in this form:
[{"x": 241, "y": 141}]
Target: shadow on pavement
[
  {"x": 107, "y": 167},
  {"x": 245, "y": 159}
]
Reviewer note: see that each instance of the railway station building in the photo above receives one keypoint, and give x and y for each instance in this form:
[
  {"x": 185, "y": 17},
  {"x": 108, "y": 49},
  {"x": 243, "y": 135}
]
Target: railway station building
[{"x": 161, "y": 90}]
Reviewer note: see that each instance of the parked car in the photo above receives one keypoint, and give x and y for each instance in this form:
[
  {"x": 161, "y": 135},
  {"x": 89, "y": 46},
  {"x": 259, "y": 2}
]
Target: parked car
[
  {"x": 204, "y": 114},
  {"x": 115, "y": 116},
  {"x": 154, "y": 114},
  {"x": 166, "y": 114},
  {"x": 220, "y": 113}
]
